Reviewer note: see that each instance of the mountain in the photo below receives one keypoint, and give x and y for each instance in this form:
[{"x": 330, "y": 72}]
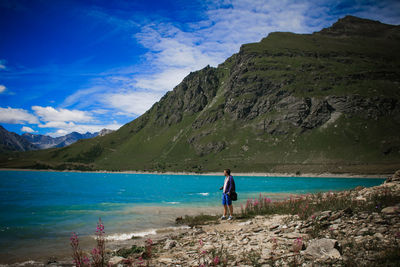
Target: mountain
[
  {"x": 13, "y": 142},
  {"x": 10, "y": 141},
  {"x": 321, "y": 102},
  {"x": 45, "y": 141}
]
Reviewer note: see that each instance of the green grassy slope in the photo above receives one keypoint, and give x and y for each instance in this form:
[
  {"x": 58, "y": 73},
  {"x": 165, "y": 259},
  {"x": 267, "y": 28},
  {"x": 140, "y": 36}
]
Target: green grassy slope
[{"x": 294, "y": 103}]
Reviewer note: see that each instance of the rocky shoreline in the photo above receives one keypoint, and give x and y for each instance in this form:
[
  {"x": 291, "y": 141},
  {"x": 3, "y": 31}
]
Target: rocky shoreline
[
  {"x": 345, "y": 237},
  {"x": 327, "y": 238}
]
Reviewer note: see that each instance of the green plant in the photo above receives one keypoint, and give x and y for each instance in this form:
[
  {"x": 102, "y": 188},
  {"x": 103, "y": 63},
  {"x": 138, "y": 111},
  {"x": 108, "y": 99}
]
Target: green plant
[
  {"x": 253, "y": 258},
  {"x": 125, "y": 252},
  {"x": 197, "y": 219}
]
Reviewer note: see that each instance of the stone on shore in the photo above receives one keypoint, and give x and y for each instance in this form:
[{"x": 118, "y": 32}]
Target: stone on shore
[
  {"x": 115, "y": 260},
  {"x": 169, "y": 244},
  {"x": 391, "y": 210},
  {"x": 322, "y": 249},
  {"x": 394, "y": 178}
]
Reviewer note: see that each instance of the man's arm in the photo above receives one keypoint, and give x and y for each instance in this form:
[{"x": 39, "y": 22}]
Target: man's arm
[{"x": 229, "y": 185}]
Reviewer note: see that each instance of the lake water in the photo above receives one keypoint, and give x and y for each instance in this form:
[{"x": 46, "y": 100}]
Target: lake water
[{"x": 40, "y": 210}]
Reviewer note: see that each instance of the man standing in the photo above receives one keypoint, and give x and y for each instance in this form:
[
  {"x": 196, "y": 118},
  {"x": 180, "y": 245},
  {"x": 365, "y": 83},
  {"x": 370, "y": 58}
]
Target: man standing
[{"x": 228, "y": 188}]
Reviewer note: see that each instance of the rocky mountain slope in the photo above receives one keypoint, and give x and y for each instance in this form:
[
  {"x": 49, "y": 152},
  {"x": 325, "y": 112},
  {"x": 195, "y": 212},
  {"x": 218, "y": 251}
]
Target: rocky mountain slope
[
  {"x": 327, "y": 101},
  {"x": 10, "y": 141}
]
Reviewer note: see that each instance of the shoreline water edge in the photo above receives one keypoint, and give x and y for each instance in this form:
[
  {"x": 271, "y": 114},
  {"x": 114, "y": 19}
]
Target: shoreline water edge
[{"x": 250, "y": 174}]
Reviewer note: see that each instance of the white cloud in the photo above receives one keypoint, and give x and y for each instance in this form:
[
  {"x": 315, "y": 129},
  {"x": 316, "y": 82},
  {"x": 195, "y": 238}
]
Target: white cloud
[
  {"x": 2, "y": 64},
  {"x": 2, "y": 88},
  {"x": 57, "y": 124},
  {"x": 85, "y": 96},
  {"x": 163, "y": 81},
  {"x": 81, "y": 128},
  {"x": 66, "y": 121},
  {"x": 27, "y": 129},
  {"x": 58, "y": 133},
  {"x": 50, "y": 114},
  {"x": 132, "y": 102},
  {"x": 16, "y": 116}
]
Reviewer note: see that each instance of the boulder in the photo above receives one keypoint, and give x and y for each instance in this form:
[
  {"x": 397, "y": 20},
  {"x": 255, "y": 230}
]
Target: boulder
[
  {"x": 394, "y": 178},
  {"x": 115, "y": 260},
  {"x": 169, "y": 244},
  {"x": 361, "y": 198},
  {"x": 166, "y": 261},
  {"x": 391, "y": 210},
  {"x": 322, "y": 249}
]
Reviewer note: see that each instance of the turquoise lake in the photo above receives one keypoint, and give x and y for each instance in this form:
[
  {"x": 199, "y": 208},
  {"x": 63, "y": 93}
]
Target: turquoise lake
[{"x": 40, "y": 210}]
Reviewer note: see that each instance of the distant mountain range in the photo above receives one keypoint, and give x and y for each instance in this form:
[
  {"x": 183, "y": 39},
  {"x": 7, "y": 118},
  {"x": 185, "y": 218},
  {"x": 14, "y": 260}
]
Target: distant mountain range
[
  {"x": 10, "y": 141},
  {"x": 296, "y": 103}
]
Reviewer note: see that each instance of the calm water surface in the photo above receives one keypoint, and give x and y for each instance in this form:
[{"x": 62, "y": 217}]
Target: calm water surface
[{"x": 40, "y": 210}]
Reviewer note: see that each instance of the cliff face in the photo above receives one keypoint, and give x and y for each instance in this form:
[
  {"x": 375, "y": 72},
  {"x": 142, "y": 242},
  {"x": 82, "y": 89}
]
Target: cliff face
[
  {"x": 327, "y": 101},
  {"x": 10, "y": 141}
]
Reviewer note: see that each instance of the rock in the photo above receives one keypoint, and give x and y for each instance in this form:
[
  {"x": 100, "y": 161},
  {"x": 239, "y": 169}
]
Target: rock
[
  {"x": 348, "y": 211},
  {"x": 52, "y": 260},
  {"x": 394, "y": 178},
  {"x": 335, "y": 216},
  {"x": 361, "y": 198},
  {"x": 334, "y": 227},
  {"x": 379, "y": 236},
  {"x": 294, "y": 235},
  {"x": 322, "y": 249},
  {"x": 165, "y": 260},
  {"x": 115, "y": 260},
  {"x": 359, "y": 188},
  {"x": 266, "y": 254},
  {"x": 391, "y": 210},
  {"x": 274, "y": 226},
  {"x": 364, "y": 231},
  {"x": 169, "y": 244},
  {"x": 207, "y": 248}
]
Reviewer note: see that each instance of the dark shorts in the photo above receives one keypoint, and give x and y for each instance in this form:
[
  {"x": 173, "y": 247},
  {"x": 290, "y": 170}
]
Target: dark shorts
[{"x": 226, "y": 199}]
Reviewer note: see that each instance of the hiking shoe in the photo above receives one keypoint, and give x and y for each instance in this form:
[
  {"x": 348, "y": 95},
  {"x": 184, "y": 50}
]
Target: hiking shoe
[
  {"x": 223, "y": 218},
  {"x": 230, "y": 218}
]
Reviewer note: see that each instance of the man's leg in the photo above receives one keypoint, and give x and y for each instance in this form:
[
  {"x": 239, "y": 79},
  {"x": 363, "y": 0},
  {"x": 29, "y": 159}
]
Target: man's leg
[
  {"x": 231, "y": 210},
  {"x": 225, "y": 210}
]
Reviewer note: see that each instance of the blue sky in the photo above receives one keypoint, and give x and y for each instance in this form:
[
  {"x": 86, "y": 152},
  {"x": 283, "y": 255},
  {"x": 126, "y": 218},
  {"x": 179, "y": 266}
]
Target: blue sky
[{"x": 86, "y": 65}]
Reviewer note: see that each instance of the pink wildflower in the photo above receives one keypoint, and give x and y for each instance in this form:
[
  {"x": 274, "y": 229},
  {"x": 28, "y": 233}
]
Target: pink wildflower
[
  {"x": 141, "y": 261},
  {"x": 100, "y": 227},
  {"x": 86, "y": 260},
  {"x": 216, "y": 260},
  {"x": 297, "y": 244}
]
